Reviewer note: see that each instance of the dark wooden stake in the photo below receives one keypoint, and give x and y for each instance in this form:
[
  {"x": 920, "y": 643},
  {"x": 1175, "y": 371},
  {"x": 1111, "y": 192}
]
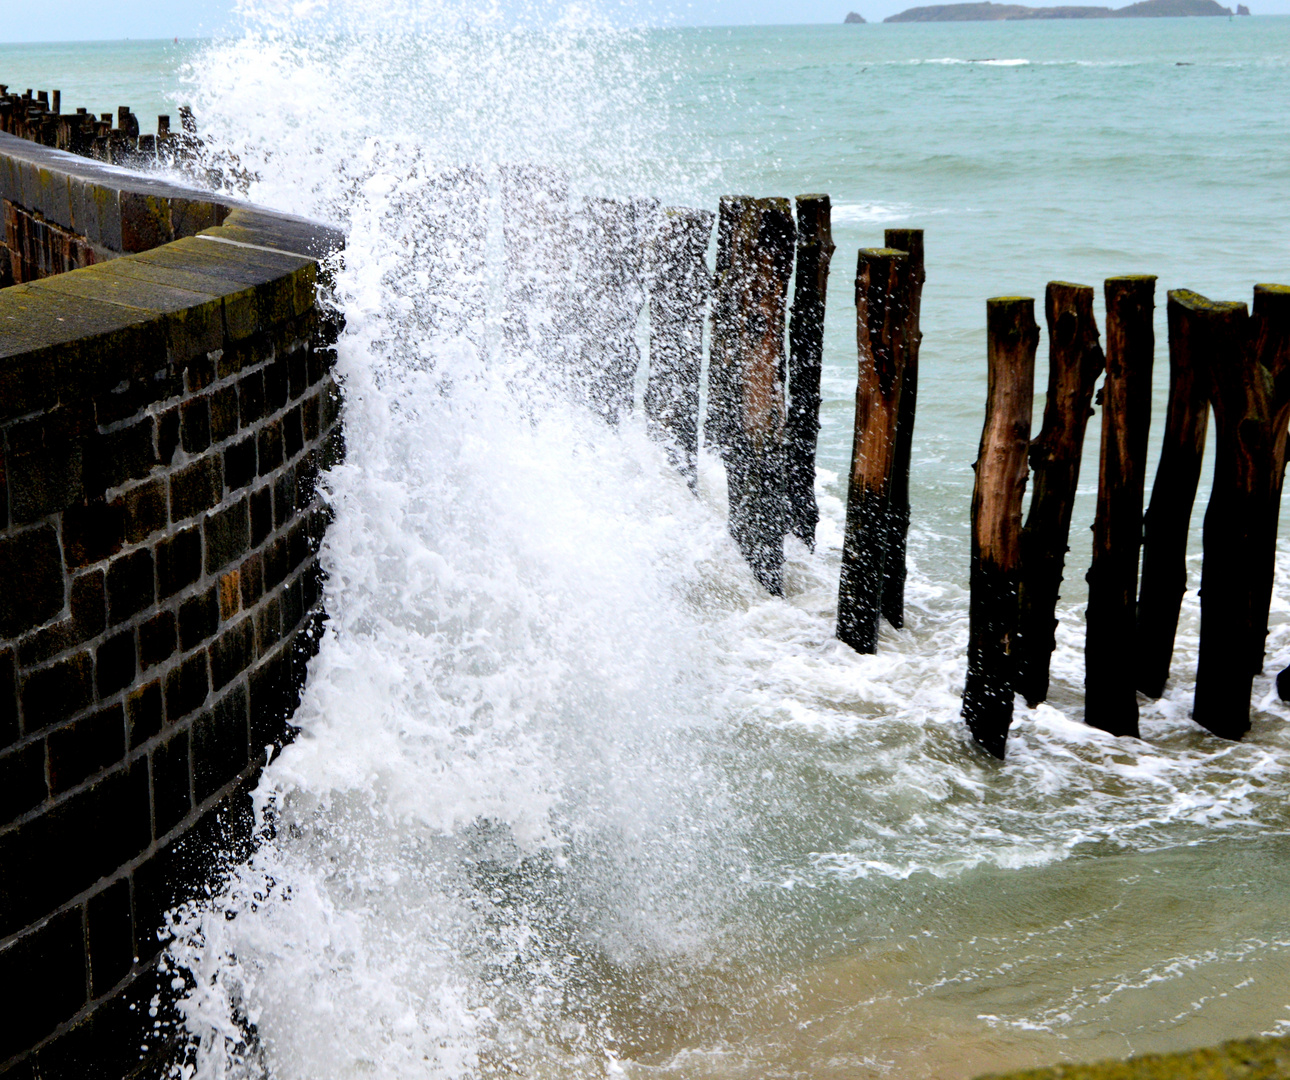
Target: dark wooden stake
[
  {"x": 680, "y": 284},
  {"x": 1075, "y": 362},
  {"x": 909, "y": 241},
  {"x": 1110, "y": 700},
  {"x": 746, "y": 375},
  {"x": 1193, "y": 323},
  {"x": 1249, "y": 389},
  {"x": 806, "y": 351},
  {"x": 883, "y": 285},
  {"x": 1000, "y": 484}
]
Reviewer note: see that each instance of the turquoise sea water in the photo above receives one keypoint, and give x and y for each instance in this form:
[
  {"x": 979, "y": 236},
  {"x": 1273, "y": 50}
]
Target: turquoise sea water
[{"x": 573, "y": 798}]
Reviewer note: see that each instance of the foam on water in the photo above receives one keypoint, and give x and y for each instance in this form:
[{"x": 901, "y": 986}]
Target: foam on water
[{"x": 571, "y": 795}]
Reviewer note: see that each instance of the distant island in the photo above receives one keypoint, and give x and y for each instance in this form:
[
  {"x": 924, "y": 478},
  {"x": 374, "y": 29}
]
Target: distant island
[
  {"x": 853, "y": 17},
  {"x": 990, "y": 12}
]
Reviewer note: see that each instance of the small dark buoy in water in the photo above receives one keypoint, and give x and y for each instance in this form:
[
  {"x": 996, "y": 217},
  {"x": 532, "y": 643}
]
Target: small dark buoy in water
[{"x": 1183, "y": 63}]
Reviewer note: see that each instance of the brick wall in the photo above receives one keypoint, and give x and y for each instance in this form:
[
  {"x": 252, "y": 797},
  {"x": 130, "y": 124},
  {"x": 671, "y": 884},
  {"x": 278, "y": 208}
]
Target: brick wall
[{"x": 163, "y": 419}]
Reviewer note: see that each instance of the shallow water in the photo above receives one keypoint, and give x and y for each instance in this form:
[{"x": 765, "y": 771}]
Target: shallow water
[{"x": 572, "y": 796}]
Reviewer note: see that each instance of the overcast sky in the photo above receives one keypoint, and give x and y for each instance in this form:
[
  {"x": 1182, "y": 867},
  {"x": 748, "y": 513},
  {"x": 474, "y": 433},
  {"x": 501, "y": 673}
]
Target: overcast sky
[{"x": 100, "y": 20}]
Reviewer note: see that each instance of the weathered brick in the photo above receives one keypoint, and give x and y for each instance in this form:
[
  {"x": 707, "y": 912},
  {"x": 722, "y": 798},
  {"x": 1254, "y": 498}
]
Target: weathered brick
[
  {"x": 22, "y": 780},
  {"x": 252, "y": 574},
  {"x": 298, "y": 372},
  {"x": 186, "y": 687},
  {"x": 298, "y": 546},
  {"x": 333, "y": 447},
  {"x": 31, "y": 580},
  {"x": 223, "y": 409},
  {"x": 145, "y": 510},
  {"x": 293, "y": 605},
  {"x": 275, "y": 385},
  {"x": 157, "y": 639},
  {"x": 73, "y": 844},
  {"x": 270, "y": 447},
  {"x": 198, "y": 619},
  {"x": 270, "y": 691},
  {"x": 228, "y": 362},
  {"x": 143, "y": 711},
  {"x": 292, "y": 433},
  {"x": 220, "y": 744},
  {"x": 309, "y": 417},
  {"x": 250, "y": 396},
  {"x": 284, "y": 498},
  {"x": 86, "y": 746},
  {"x": 45, "y": 971},
  {"x": 306, "y": 481},
  {"x": 275, "y": 563},
  {"x": 312, "y": 578},
  {"x": 167, "y": 436},
  {"x": 199, "y": 373},
  {"x": 4, "y": 484},
  {"x": 88, "y": 604},
  {"x": 230, "y": 594},
  {"x": 92, "y": 532},
  {"x": 196, "y": 487},
  {"x": 228, "y": 536},
  {"x": 268, "y": 626},
  {"x": 331, "y": 401},
  {"x": 179, "y": 560},
  {"x": 110, "y": 936},
  {"x": 232, "y": 653},
  {"x": 239, "y": 463},
  {"x": 56, "y": 693},
  {"x": 261, "y": 515},
  {"x": 172, "y": 798},
  {"x": 129, "y": 453},
  {"x": 114, "y": 664},
  {"x": 129, "y": 585},
  {"x": 195, "y": 425},
  {"x": 8, "y": 698},
  {"x": 44, "y": 464}
]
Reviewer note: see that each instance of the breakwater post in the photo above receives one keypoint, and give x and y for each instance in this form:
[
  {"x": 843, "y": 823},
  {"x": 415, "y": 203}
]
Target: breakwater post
[
  {"x": 1197, "y": 328},
  {"x": 1013, "y": 337},
  {"x": 1110, "y": 696},
  {"x": 746, "y": 415},
  {"x": 909, "y": 241},
  {"x": 1075, "y": 362},
  {"x": 1251, "y": 401},
  {"x": 679, "y": 287},
  {"x": 806, "y": 353},
  {"x": 884, "y": 282}
]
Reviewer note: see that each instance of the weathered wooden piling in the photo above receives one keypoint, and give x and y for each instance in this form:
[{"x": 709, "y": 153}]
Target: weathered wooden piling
[
  {"x": 1110, "y": 700},
  {"x": 746, "y": 375},
  {"x": 1013, "y": 336},
  {"x": 883, "y": 285},
  {"x": 679, "y": 286},
  {"x": 1075, "y": 362},
  {"x": 909, "y": 241},
  {"x": 608, "y": 297},
  {"x": 539, "y": 265},
  {"x": 1248, "y": 375},
  {"x": 806, "y": 352},
  {"x": 1196, "y": 329}
]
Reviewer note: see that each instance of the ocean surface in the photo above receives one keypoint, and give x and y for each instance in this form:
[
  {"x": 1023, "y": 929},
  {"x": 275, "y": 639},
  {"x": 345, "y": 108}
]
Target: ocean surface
[{"x": 572, "y": 796}]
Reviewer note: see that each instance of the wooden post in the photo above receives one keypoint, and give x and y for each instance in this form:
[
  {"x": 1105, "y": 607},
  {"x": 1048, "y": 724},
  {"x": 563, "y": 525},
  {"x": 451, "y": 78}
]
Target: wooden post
[
  {"x": 1110, "y": 700},
  {"x": 1000, "y": 483},
  {"x": 1075, "y": 362},
  {"x": 1194, "y": 323},
  {"x": 893, "y": 586},
  {"x": 1242, "y": 476},
  {"x": 806, "y": 352},
  {"x": 607, "y": 300},
  {"x": 746, "y": 376},
  {"x": 679, "y": 284},
  {"x": 883, "y": 285},
  {"x": 1271, "y": 341},
  {"x": 538, "y": 254}
]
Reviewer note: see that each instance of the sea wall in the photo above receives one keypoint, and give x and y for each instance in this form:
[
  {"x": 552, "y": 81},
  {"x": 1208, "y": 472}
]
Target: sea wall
[
  {"x": 1241, "y": 1059},
  {"x": 166, "y": 405}
]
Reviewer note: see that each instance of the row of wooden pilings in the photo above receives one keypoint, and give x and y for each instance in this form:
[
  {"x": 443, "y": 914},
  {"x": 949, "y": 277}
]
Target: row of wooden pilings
[
  {"x": 38, "y": 117},
  {"x": 768, "y": 444},
  {"x": 1224, "y": 359}
]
